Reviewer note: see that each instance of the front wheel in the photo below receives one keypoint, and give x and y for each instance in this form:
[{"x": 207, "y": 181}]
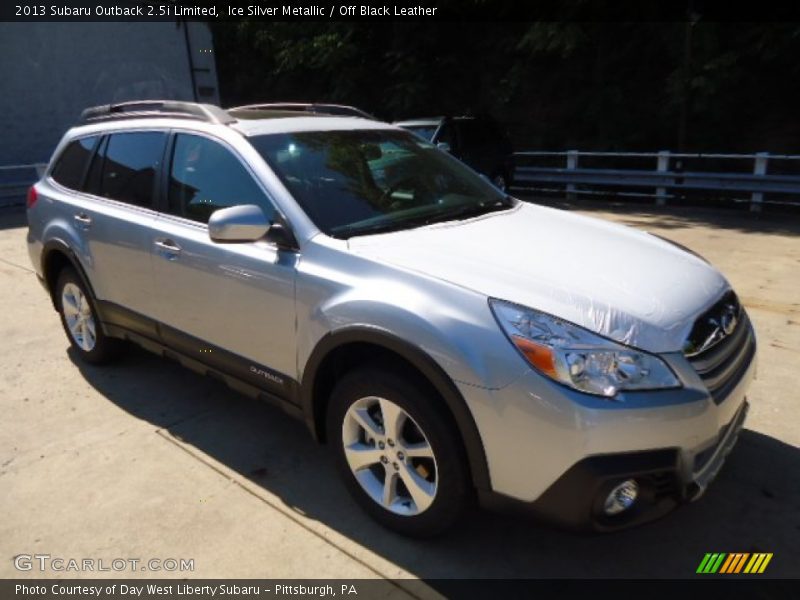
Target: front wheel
[{"x": 398, "y": 452}]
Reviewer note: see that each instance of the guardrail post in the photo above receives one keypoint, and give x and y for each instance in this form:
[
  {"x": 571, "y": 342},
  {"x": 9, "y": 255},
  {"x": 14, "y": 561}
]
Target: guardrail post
[
  {"x": 662, "y": 167},
  {"x": 759, "y": 168},
  {"x": 572, "y": 163}
]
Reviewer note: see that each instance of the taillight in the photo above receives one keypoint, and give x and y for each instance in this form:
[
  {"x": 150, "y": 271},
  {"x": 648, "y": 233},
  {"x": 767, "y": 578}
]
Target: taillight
[{"x": 32, "y": 197}]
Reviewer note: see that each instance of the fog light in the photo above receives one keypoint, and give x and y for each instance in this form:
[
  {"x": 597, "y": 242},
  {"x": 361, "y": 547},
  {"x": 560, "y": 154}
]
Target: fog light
[{"x": 622, "y": 497}]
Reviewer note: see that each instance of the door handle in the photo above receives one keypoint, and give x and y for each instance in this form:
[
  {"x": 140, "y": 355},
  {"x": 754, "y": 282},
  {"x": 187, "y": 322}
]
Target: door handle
[
  {"x": 83, "y": 220},
  {"x": 168, "y": 248}
]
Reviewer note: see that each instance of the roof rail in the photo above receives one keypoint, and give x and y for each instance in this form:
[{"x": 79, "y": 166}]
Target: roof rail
[
  {"x": 156, "y": 108},
  {"x": 310, "y": 107}
]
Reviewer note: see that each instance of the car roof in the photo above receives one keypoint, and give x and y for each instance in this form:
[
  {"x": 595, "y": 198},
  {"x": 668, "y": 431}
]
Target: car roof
[
  {"x": 203, "y": 117},
  {"x": 254, "y": 110},
  {"x": 288, "y": 123},
  {"x": 294, "y": 123}
]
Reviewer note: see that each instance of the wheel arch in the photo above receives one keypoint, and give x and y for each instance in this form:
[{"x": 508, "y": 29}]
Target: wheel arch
[
  {"x": 56, "y": 254},
  {"x": 340, "y": 350}
]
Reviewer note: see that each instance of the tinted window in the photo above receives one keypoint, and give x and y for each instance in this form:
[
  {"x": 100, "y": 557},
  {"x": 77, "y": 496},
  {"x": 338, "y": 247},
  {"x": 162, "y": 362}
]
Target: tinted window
[
  {"x": 447, "y": 135},
  {"x": 424, "y": 131},
  {"x": 71, "y": 165},
  {"x": 205, "y": 176},
  {"x": 125, "y": 167},
  {"x": 94, "y": 178}
]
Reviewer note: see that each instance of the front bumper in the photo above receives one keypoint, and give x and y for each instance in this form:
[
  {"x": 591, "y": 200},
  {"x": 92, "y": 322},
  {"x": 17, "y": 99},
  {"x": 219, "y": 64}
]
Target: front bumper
[
  {"x": 576, "y": 499},
  {"x": 555, "y": 451}
]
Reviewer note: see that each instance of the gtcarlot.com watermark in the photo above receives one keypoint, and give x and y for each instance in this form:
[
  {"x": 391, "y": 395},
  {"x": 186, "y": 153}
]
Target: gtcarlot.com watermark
[{"x": 47, "y": 563}]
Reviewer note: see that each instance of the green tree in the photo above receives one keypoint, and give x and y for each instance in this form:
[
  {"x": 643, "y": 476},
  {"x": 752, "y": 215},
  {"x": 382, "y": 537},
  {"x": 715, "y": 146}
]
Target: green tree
[{"x": 589, "y": 85}]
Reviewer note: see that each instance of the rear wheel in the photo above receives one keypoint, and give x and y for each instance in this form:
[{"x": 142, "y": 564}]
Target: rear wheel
[
  {"x": 398, "y": 453},
  {"x": 79, "y": 318}
]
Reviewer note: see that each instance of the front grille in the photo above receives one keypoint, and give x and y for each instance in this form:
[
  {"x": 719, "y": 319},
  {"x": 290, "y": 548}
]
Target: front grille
[{"x": 722, "y": 364}]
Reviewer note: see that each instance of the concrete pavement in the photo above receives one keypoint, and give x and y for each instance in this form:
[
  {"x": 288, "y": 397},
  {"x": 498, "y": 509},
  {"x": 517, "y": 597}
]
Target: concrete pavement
[{"x": 145, "y": 459}]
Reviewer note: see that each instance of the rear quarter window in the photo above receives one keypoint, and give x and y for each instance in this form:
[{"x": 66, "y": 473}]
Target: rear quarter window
[{"x": 71, "y": 165}]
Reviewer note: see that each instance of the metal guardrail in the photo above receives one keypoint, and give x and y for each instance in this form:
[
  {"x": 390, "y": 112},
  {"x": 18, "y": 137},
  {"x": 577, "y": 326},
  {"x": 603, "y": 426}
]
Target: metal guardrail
[
  {"x": 665, "y": 181},
  {"x": 15, "y": 181}
]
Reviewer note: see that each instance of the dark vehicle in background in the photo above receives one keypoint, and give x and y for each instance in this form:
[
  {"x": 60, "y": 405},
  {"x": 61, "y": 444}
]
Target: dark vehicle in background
[{"x": 480, "y": 142}]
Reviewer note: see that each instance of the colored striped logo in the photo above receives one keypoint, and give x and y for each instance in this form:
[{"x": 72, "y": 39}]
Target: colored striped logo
[{"x": 734, "y": 562}]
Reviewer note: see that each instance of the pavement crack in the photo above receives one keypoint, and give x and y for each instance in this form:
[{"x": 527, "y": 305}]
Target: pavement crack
[
  {"x": 13, "y": 264},
  {"x": 185, "y": 419}
]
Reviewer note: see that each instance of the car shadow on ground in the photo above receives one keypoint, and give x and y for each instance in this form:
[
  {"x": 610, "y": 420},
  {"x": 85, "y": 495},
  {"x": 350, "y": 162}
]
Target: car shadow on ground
[{"x": 753, "y": 506}]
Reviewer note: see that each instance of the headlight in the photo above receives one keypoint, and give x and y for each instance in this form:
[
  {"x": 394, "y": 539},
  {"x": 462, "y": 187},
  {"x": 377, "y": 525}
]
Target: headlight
[{"x": 579, "y": 358}]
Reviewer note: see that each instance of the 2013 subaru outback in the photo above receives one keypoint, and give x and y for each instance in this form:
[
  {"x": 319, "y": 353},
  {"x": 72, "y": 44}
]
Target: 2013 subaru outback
[{"x": 447, "y": 341}]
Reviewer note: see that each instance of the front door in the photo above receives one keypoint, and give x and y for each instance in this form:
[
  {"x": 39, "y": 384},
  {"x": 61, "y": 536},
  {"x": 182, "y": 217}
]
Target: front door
[{"x": 229, "y": 305}]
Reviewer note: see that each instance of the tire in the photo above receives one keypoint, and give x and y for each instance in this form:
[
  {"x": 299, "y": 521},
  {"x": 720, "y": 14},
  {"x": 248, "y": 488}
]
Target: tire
[
  {"x": 441, "y": 483},
  {"x": 78, "y": 314}
]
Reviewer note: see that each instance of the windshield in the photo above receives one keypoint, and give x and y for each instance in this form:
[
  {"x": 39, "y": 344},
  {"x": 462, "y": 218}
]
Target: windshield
[{"x": 368, "y": 181}]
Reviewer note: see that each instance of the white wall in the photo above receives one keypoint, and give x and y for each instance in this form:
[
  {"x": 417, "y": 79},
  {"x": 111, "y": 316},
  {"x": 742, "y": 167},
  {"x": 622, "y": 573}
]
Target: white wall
[{"x": 50, "y": 72}]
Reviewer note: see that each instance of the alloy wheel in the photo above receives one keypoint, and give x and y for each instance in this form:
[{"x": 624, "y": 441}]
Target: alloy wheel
[
  {"x": 78, "y": 316},
  {"x": 390, "y": 456}
]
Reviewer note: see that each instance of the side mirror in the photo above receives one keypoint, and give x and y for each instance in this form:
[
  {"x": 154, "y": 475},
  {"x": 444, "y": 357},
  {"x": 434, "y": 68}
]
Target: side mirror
[
  {"x": 443, "y": 146},
  {"x": 282, "y": 236},
  {"x": 244, "y": 223}
]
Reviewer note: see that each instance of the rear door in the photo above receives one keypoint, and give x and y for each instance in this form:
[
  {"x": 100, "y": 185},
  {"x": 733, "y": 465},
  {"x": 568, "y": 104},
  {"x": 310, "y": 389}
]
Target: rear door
[
  {"x": 230, "y": 305},
  {"x": 118, "y": 217}
]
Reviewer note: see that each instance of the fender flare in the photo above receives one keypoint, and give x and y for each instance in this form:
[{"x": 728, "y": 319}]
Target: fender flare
[
  {"x": 423, "y": 362},
  {"x": 60, "y": 246}
]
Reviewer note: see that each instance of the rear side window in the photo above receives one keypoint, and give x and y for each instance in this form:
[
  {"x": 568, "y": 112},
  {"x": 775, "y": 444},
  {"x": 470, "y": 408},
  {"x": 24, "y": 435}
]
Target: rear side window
[
  {"x": 71, "y": 165},
  {"x": 206, "y": 176},
  {"x": 125, "y": 167}
]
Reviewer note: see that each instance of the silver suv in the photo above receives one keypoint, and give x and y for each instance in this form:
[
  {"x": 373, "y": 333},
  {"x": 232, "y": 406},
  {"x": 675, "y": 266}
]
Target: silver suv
[{"x": 448, "y": 342}]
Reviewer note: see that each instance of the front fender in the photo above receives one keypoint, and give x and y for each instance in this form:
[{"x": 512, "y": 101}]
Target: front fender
[
  {"x": 426, "y": 365},
  {"x": 451, "y": 325},
  {"x": 446, "y": 332}
]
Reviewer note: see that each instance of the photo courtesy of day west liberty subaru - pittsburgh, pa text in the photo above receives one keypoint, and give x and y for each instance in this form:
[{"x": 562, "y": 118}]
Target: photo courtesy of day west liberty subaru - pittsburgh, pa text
[{"x": 227, "y": 10}]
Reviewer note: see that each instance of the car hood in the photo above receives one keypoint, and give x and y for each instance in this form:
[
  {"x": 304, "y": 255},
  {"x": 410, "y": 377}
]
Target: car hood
[{"x": 614, "y": 280}]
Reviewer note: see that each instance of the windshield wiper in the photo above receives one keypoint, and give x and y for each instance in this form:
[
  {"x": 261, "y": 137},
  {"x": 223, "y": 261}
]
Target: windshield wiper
[
  {"x": 460, "y": 212},
  {"x": 473, "y": 210},
  {"x": 387, "y": 226}
]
